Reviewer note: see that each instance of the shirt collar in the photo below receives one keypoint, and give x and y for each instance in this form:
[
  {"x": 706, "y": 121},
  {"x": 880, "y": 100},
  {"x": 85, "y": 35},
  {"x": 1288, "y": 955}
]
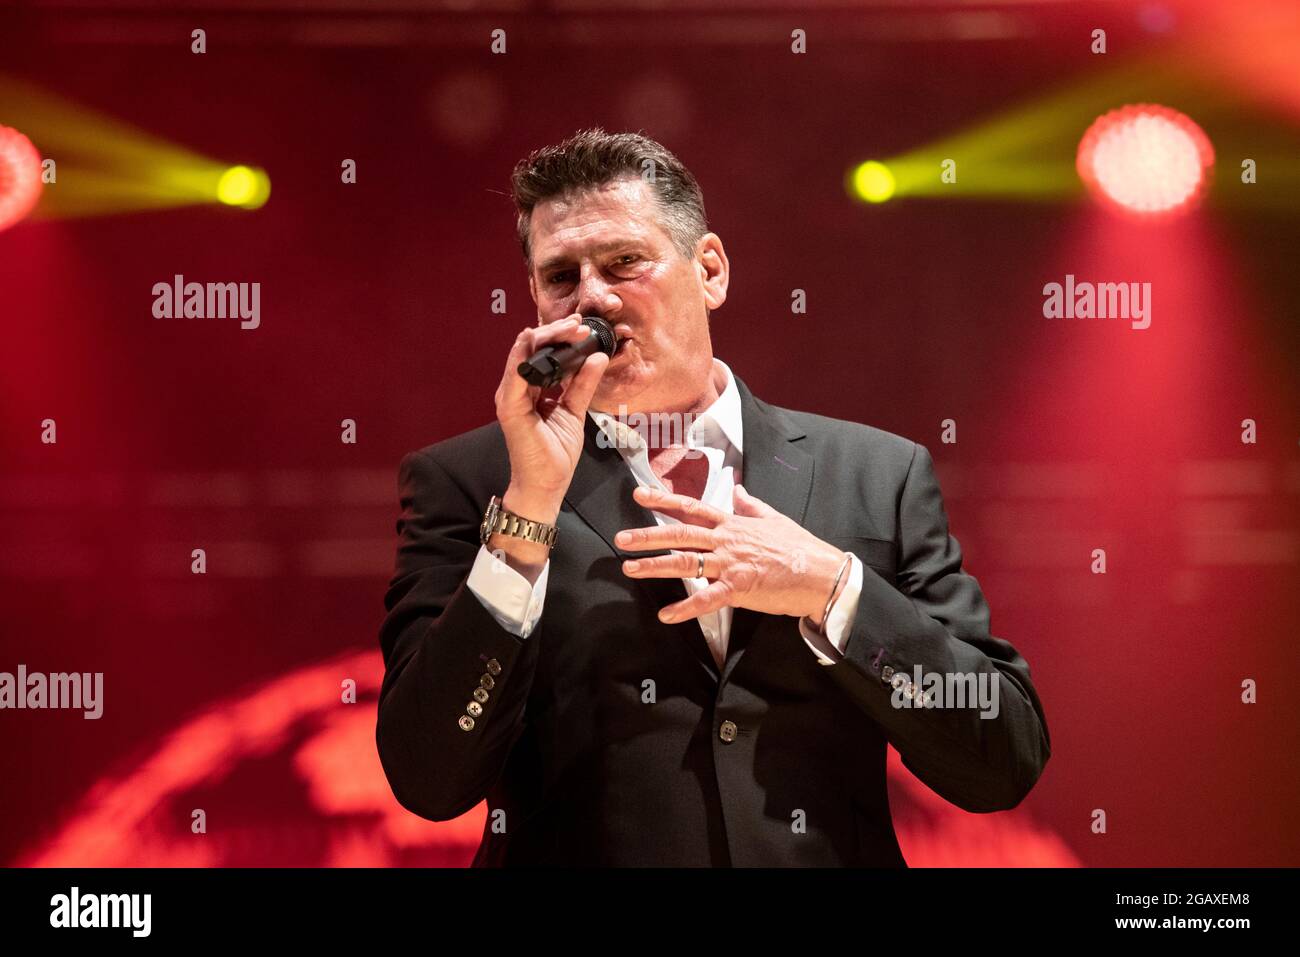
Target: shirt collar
[{"x": 718, "y": 426}]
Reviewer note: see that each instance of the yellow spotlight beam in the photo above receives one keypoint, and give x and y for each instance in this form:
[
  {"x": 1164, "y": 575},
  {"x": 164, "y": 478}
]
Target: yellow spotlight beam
[
  {"x": 105, "y": 166},
  {"x": 1029, "y": 152}
]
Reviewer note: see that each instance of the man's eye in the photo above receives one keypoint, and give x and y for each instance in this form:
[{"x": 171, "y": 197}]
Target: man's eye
[
  {"x": 628, "y": 258},
  {"x": 558, "y": 277}
]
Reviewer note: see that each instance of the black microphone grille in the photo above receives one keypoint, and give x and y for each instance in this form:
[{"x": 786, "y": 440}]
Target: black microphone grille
[{"x": 604, "y": 333}]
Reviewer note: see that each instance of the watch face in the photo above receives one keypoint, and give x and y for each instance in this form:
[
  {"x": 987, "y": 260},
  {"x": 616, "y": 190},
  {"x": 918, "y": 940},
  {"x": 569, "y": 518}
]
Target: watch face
[{"x": 484, "y": 530}]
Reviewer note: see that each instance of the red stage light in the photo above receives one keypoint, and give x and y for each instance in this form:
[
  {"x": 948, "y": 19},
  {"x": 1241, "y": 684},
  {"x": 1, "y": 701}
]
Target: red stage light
[
  {"x": 20, "y": 176},
  {"x": 1146, "y": 159}
]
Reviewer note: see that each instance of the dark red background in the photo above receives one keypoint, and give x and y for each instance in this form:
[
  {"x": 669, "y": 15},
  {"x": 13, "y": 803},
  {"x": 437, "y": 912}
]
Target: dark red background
[{"x": 375, "y": 301}]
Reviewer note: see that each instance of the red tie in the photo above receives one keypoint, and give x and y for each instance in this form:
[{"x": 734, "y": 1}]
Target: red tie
[{"x": 687, "y": 476}]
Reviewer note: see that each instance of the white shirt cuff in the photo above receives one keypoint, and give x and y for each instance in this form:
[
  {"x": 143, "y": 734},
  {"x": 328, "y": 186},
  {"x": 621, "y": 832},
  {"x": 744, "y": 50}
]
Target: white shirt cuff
[
  {"x": 512, "y": 601},
  {"x": 829, "y": 647}
]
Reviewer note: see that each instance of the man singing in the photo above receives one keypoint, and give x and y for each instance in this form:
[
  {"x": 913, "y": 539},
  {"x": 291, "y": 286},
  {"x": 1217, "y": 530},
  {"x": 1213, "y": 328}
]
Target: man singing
[{"x": 689, "y": 652}]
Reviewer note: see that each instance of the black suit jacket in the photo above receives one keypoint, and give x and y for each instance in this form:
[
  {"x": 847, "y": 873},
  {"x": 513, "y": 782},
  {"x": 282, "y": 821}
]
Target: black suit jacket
[{"x": 602, "y": 738}]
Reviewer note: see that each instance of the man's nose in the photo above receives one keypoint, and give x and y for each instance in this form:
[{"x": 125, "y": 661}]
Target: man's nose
[{"x": 595, "y": 296}]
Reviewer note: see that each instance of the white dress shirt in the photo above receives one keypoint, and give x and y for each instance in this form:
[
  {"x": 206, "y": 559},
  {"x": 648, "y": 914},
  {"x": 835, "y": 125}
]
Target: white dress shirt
[{"x": 717, "y": 433}]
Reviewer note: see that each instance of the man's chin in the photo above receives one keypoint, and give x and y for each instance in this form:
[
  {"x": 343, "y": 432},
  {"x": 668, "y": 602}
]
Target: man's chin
[
  {"x": 618, "y": 386},
  {"x": 622, "y": 376}
]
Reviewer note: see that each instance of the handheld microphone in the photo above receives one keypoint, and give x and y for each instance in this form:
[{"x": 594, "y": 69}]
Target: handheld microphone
[{"x": 550, "y": 364}]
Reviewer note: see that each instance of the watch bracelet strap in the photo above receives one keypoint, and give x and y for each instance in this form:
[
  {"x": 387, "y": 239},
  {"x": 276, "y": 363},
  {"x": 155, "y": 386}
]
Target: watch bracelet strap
[{"x": 528, "y": 529}]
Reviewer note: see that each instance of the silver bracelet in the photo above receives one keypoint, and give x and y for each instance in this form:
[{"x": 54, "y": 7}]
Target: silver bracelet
[{"x": 826, "y": 615}]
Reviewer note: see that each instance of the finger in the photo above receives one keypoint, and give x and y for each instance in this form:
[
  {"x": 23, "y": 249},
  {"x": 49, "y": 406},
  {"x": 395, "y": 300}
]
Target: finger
[
  {"x": 682, "y": 507},
  {"x": 676, "y": 565},
  {"x": 666, "y": 536},
  {"x": 746, "y": 504},
  {"x": 706, "y": 600},
  {"x": 581, "y": 386},
  {"x": 514, "y": 388}
]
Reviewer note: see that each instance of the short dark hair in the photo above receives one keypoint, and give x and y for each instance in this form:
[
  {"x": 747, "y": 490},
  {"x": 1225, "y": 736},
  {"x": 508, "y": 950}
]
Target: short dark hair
[{"x": 592, "y": 158}]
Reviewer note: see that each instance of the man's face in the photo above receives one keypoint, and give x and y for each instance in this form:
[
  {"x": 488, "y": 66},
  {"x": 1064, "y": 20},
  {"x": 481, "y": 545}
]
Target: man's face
[{"x": 603, "y": 250}]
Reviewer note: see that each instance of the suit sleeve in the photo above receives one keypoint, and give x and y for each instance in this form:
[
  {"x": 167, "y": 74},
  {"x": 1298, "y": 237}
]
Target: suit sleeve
[
  {"x": 979, "y": 757},
  {"x": 455, "y": 680}
]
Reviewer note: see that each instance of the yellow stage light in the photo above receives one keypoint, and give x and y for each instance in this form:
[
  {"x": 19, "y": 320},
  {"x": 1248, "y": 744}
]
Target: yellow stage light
[
  {"x": 873, "y": 182},
  {"x": 243, "y": 186}
]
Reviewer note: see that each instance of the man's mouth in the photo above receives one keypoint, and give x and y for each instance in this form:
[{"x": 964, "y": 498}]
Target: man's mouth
[{"x": 622, "y": 336}]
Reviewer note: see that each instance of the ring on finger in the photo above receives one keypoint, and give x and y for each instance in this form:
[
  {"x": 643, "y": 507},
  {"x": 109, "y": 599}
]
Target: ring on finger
[{"x": 699, "y": 563}]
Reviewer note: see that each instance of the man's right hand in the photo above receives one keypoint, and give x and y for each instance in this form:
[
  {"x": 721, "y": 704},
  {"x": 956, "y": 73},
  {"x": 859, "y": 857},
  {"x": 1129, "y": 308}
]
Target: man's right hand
[{"x": 544, "y": 432}]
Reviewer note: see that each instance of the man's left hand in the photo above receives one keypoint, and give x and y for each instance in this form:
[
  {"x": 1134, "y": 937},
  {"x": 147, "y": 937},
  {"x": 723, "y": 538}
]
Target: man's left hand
[{"x": 757, "y": 558}]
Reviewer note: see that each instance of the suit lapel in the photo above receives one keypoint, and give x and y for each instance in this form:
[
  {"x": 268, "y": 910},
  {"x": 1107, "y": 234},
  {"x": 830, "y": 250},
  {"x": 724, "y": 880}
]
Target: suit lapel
[{"x": 774, "y": 469}]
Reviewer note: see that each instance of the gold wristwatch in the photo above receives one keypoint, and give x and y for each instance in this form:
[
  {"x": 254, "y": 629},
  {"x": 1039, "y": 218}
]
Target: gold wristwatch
[{"x": 497, "y": 518}]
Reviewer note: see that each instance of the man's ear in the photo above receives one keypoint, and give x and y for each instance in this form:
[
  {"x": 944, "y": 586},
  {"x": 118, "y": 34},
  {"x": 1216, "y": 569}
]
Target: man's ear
[{"x": 714, "y": 269}]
